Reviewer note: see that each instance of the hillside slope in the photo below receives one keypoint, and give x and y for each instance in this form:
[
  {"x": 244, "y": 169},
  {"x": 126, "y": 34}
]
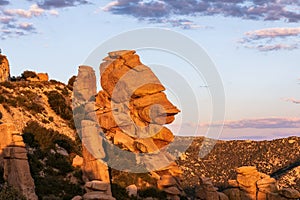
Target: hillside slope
[{"x": 279, "y": 158}]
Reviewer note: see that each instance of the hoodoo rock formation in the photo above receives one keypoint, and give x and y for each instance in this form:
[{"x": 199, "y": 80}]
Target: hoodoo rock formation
[
  {"x": 132, "y": 109},
  {"x": 4, "y": 69},
  {"x": 14, "y": 161},
  {"x": 95, "y": 171},
  {"x": 128, "y": 114}
]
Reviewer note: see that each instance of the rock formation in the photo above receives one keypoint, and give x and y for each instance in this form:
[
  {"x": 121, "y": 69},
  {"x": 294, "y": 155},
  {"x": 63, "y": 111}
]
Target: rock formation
[
  {"x": 128, "y": 114},
  {"x": 93, "y": 168},
  {"x": 4, "y": 69},
  {"x": 14, "y": 161},
  {"x": 253, "y": 185},
  {"x": 132, "y": 109},
  {"x": 206, "y": 191},
  {"x": 38, "y": 77}
]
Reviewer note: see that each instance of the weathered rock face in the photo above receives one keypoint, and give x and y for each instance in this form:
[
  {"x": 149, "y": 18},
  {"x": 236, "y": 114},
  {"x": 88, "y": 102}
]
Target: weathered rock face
[
  {"x": 253, "y": 185},
  {"x": 132, "y": 109},
  {"x": 38, "y": 77},
  {"x": 93, "y": 167},
  {"x": 4, "y": 69},
  {"x": 207, "y": 191},
  {"x": 15, "y": 162}
]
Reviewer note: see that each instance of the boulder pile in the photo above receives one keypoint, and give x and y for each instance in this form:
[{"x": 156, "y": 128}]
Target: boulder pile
[
  {"x": 253, "y": 185},
  {"x": 207, "y": 191}
]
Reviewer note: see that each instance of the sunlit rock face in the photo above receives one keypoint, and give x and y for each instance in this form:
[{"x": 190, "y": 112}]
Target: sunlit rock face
[
  {"x": 14, "y": 161},
  {"x": 132, "y": 110},
  {"x": 4, "y": 69}
]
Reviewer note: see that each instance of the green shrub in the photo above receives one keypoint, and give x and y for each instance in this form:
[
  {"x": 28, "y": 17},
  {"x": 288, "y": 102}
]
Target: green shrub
[
  {"x": 28, "y": 74},
  {"x": 9, "y": 193},
  {"x": 59, "y": 162},
  {"x": 59, "y": 105},
  {"x": 51, "y": 119},
  {"x": 71, "y": 82},
  {"x": 7, "y": 84},
  {"x": 48, "y": 169},
  {"x": 152, "y": 192},
  {"x": 120, "y": 193}
]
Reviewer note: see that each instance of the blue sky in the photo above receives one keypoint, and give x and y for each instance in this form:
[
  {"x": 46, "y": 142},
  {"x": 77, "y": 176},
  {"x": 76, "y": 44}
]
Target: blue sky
[{"x": 255, "y": 45}]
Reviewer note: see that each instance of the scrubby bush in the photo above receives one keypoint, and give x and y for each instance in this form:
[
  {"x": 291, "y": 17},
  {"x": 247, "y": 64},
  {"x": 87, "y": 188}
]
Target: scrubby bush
[
  {"x": 49, "y": 169},
  {"x": 71, "y": 82},
  {"x": 28, "y": 74},
  {"x": 59, "y": 105},
  {"x": 152, "y": 192},
  {"x": 7, "y": 84},
  {"x": 9, "y": 193},
  {"x": 35, "y": 135}
]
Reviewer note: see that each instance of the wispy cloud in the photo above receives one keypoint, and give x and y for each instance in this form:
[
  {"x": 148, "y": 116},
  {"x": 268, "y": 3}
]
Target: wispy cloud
[
  {"x": 12, "y": 19},
  {"x": 33, "y": 11},
  {"x": 13, "y": 24},
  {"x": 268, "y": 10},
  {"x": 255, "y": 123},
  {"x": 264, "y": 123},
  {"x": 272, "y": 39},
  {"x": 292, "y": 100},
  {"x": 273, "y": 32},
  {"x": 4, "y": 2}
]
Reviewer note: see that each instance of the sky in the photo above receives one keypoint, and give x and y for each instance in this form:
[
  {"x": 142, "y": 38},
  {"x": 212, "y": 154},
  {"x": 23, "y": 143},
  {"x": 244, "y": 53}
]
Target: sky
[{"x": 254, "y": 44}]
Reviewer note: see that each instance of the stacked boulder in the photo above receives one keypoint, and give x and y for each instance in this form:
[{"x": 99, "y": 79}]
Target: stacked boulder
[
  {"x": 14, "y": 161},
  {"x": 95, "y": 171},
  {"x": 97, "y": 190},
  {"x": 253, "y": 185},
  {"x": 207, "y": 191},
  {"x": 132, "y": 109}
]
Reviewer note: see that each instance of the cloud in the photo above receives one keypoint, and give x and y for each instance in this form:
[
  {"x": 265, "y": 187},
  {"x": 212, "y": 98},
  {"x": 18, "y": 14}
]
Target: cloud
[
  {"x": 33, "y": 11},
  {"x": 274, "y": 32},
  {"x": 47, "y": 4},
  {"x": 292, "y": 100},
  {"x": 264, "y": 123},
  {"x": 4, "y": 2},
  {"x": 274, "y": 47},
  {"x": 12, "y": 25},
  {"x": 272, "y": 39},
  {"x": 268, "y": 10}
]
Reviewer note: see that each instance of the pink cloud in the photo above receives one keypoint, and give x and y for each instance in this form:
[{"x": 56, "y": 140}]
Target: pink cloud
[
  {"x": 274, "y": 32},
  {"x": 33, "y": 11},
  {"x": 293, "y": 100}
]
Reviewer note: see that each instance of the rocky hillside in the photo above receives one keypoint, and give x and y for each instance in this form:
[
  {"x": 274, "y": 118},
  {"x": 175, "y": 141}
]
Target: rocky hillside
[
  {"x": 38, "y": 134},
  {"x": 47, "y": 102},
  {"x": 278, "y": 158}
]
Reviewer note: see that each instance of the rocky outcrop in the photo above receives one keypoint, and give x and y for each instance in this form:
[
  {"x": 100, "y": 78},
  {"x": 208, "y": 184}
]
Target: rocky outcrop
[
  {"x": 132, "y": 109},
  {"x": 206, "y": 191},
  {"x": 97, "y": 190},
  {"x": 253, "y": 185},
  {"x": 38, "y": 77},
  {"x": 93, "y": 153},
  {"x": 4, "y": 69},
  {"x": 278, "y": 158},
  {"x": 15, "y": 162}
]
